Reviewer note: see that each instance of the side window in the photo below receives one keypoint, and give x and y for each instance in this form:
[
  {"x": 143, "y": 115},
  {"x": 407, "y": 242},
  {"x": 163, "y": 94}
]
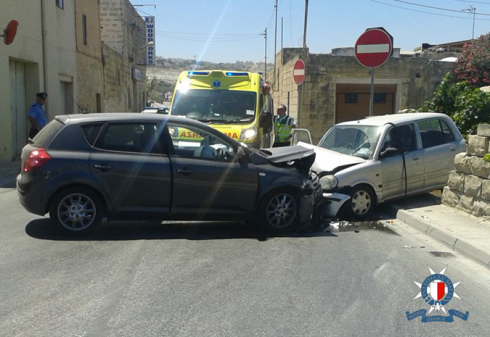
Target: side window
[
  {"x": 131, "y": 137},
  {"x": 431, "y": 133},
  {"x": 448, "y": 134},
  {"x": 91, "y": 132},
  {"x": 193, "y": 142},
  {"x": 401, "y": 138}
]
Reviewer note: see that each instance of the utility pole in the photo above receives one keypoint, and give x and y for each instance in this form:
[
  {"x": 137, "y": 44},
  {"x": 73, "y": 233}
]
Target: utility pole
[
  {"x": 265, "y": 54},
  {"x": 275, "y": 45},
  {"x": 471, "y": 9},
  {"x": 306, "y": 24}
]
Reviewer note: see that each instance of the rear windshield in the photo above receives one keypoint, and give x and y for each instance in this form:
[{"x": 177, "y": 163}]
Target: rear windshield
[{"x": 46, "y": 135}]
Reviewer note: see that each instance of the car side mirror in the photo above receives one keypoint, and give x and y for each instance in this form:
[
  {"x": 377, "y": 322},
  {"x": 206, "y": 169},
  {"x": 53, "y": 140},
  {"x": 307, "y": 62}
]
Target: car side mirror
[
  {"x": 389, "y": 152},
  {"x": 265, "y": 121},
  {"x": 240, "y": 154},
  {"x": 301, "y": 135}
]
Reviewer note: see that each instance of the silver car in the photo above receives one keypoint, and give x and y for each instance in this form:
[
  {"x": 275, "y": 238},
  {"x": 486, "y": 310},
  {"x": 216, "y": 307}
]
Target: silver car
[{"x": 366, "y": 162}]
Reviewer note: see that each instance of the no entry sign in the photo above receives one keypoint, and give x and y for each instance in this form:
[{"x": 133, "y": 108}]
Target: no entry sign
[
  {"x": 374, "y": 47},
  {"x": 299, "y": 72}
]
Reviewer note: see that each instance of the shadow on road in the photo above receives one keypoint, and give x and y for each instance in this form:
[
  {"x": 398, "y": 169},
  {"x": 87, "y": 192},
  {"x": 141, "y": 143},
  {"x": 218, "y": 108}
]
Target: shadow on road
[{"x": 168, "y": 230}]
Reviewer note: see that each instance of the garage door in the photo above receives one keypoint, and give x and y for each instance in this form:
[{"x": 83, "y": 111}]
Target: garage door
[{"x": 353, "y": 101}]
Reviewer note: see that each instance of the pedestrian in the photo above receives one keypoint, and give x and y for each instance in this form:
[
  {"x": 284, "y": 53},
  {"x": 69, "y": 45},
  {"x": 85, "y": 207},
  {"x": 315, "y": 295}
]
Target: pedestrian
[
  {"x": 283, "y": 126},
  {"x": 36, "y": 115}
]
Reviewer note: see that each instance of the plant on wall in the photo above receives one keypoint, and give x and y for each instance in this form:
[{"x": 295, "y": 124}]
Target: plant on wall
[{"x": 474, "y": 62}]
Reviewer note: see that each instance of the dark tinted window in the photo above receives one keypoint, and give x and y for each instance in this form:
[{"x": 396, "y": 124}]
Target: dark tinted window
[
  {"x": 46, "y": 135},
  {"x": 131, "y": 137},
  {"x": 448, "y": 134},
  {"x": 91, "y": 131},
  {"x": 402, "y": 138},
  {"x": 431, "y": 133}
]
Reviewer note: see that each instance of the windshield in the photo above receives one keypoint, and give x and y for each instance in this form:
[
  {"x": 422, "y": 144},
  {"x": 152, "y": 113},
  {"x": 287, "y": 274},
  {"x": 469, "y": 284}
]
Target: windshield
[
  {"x": 354, "y": 140},
  {"x": 224, "y": 106}
]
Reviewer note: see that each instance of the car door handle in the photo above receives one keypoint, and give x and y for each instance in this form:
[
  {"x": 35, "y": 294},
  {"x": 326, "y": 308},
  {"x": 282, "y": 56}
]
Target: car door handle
[
  {"x": 102, "y": 167},
  {"x": 415, "y": 157},
  {"x": 185, "y": 171},
  {"x": 452, "y": 148}
]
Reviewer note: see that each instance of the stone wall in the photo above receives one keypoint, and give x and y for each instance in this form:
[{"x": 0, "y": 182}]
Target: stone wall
[{"x": 468, "y": 187}]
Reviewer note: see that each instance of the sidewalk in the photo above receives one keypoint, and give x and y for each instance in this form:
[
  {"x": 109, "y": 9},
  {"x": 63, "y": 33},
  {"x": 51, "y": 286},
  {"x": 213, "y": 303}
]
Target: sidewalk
[
  {"x": 462, "y": 232},
  {"x": 8, "y": 172}
]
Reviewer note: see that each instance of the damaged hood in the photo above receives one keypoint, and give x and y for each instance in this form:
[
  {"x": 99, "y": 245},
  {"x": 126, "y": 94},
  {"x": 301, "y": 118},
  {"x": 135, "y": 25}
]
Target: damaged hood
[
  {"x": 285, "y": 154},
  {"x": 331, "y": 161}
]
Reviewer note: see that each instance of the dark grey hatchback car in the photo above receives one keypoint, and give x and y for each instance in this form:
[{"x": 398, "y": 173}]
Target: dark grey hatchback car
[{"x": 125, "y": 166}]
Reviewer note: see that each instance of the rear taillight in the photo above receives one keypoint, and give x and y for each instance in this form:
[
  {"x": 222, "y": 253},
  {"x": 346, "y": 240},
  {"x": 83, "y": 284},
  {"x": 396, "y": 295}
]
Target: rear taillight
[{"x": 36, "y": 158}]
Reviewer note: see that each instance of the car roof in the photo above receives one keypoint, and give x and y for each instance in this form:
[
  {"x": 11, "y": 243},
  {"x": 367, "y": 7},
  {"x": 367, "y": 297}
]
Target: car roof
[
  {"x": 396, "y": 119},
  {"x": 114, "y": 116}
]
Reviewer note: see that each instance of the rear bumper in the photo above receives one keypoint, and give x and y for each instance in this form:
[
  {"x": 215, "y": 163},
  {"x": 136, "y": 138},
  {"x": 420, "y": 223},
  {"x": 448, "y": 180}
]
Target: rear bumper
[
  {"x": 33, "y": 202},
  {"x": 333, "y": 203}
]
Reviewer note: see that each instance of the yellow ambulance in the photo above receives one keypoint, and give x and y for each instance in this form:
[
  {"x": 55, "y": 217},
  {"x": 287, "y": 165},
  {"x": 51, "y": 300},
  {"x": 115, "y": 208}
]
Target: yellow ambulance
[{"x": 239, "y": 104}]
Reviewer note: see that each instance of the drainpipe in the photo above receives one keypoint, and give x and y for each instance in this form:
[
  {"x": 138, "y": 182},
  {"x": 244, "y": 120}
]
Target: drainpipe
[{"x": 43, "y": 40}]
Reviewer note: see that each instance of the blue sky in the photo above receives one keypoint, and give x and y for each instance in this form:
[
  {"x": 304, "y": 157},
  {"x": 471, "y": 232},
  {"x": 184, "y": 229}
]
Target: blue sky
[{"x": 229, "y": 30}]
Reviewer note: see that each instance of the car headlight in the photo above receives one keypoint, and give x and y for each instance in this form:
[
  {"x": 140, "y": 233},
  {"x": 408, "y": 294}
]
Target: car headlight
[
  {"x": 328, "y": 182},
  {"x": 248, "y": 134}
]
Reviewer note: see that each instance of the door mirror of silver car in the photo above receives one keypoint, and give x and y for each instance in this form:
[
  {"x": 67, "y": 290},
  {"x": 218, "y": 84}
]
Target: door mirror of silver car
[
  {"x": 301, "y": 135},
  {"x": 389, "y": 152}
]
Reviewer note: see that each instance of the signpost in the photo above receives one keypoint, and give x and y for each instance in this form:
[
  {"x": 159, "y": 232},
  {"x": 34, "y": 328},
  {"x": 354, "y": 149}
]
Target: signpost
[
  {"x": 299, "y": 77},
  {"x": 150, "y": 40},
  {"x": 299, "y": 72},
  {"x": 373, "y": 48}
]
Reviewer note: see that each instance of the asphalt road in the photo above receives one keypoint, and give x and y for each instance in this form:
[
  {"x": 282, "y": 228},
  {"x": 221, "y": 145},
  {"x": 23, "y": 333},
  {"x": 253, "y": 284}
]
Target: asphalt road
[{"x": 220, "y": 279}]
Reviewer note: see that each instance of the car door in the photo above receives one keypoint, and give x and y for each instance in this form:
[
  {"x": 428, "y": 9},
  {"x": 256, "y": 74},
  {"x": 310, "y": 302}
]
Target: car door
[
  {"x": 130, "y": 163},
  {"x": 208, "y": 179},
  {"x": 404, "y": 139},
  {"x": 440, "y": 146}
]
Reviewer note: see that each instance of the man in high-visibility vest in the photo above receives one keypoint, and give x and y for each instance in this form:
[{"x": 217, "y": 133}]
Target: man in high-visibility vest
[{"x": 283, "y": 126}]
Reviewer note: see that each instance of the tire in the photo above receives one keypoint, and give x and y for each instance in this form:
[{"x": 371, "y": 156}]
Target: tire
[
  {"x": 279, "y": 211},
  {"x": 361, "y": 203},
  {"x": 76, "y": 210}
]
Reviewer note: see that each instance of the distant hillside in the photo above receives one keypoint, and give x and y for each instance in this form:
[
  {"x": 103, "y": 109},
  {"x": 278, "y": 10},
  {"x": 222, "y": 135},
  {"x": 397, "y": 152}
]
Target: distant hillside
[
  {"x": 161, "y": 78},
  {"x": 168, "y": 69}
]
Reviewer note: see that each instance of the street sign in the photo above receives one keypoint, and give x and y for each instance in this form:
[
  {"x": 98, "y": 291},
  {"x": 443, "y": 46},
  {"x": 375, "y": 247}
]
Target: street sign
[
  {"x": 374, "y": 47},
  {"x": 10, "y": 32},
  {"x": 299, "y": 72}
]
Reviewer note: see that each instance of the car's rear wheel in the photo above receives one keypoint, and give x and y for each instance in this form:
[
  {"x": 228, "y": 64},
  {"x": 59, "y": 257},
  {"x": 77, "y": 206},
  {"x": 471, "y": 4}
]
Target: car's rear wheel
[
  {"x": 279, "y": 211},
  {"x": 77, "y": 210},
  {"x": 361, "y": 204}
]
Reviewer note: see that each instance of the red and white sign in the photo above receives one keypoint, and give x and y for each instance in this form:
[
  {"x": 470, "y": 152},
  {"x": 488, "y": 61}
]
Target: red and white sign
[
  {"x": 374, "y": 47},
  {"x": 299, "y": 72},
  {"x": 437, "y": 290}
]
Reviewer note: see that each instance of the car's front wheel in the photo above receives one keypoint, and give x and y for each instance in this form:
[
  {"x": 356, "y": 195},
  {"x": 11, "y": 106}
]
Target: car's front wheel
[
  {"x": 76, "y": 210},
  {"x": 361, "y": 204},
  {"x": 279, "y": 211}
]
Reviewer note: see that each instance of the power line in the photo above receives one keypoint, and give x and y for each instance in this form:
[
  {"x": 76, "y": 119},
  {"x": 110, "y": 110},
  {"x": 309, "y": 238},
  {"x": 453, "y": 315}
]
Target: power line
[
  {"x": 438, "y": 8},
  {"x": 203, "y": 39},
  {"x": 476, "y": 2},
  {"x": 430, "y": 13},
  {"x": 206, "y": 34}
]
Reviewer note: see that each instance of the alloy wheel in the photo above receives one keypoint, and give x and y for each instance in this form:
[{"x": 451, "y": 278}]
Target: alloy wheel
[
  {"x": 281, "y": 211},
  {"x": 76, "y": 212}
]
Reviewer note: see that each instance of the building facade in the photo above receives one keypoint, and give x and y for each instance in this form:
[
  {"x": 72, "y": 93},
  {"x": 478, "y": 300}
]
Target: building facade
[
  {"x": 337, "y": 87},
  {"x": 41, "y": 58},
  {"x": 123, "y": 34}
]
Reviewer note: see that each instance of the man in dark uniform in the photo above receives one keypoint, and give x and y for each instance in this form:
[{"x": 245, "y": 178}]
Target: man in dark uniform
[{"x": 36, "y": 115}]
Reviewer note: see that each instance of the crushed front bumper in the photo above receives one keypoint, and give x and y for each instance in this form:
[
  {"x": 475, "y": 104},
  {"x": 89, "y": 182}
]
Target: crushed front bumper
[{"x": 333, "y": 203}]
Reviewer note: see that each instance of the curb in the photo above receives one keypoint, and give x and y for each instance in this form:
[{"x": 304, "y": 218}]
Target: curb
[{"x": 456, "y": 244}]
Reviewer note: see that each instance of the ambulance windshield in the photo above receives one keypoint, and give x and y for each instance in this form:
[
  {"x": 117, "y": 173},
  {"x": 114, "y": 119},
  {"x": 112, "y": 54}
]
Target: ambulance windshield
[{"x": 216, "y": 106}]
